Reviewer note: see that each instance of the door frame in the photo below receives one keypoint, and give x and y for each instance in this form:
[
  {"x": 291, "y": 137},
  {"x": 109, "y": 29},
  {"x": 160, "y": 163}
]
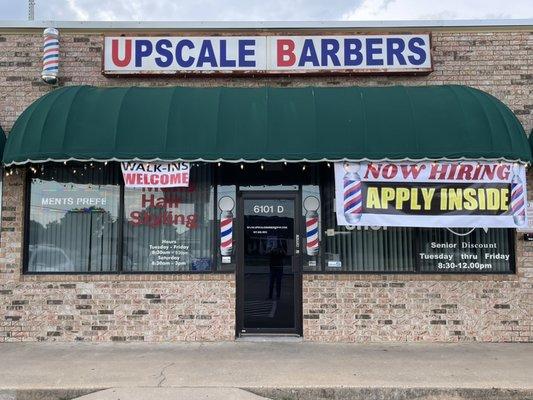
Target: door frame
[{"x": 297, "y": 263}]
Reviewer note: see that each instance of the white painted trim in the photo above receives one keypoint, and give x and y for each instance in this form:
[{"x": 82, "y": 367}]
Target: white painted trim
[{"x": 242, "y": 160}]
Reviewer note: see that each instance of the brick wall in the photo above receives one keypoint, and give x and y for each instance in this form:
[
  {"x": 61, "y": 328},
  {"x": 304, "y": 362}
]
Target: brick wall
[
  {"x": 383, "y": 308},
  {"x": 202, "y": 307}
]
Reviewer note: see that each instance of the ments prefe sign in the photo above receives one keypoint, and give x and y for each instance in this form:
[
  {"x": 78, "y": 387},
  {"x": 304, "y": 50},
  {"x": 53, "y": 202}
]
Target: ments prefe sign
[
  {"x": 155, "y": 175},
  {"x": 387, "y": 53},
  {"x": 447, "y": 194}
]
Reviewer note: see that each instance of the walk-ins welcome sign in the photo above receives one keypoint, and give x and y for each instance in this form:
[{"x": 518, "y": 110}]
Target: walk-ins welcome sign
[
  {"x": 155, "y": 175},
  {"x": 388, "y": 53}
]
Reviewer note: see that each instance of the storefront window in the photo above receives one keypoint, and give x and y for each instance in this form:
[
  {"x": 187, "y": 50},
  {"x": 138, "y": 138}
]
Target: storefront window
[
  {"x": 73, "y": 219},
  {"x": 169, "y": 230},
  {"x": 79, "y": 223},
  {"x": 413, "y": 250},
  {"x": 465, "y": 250},
  {"x": 370, "y": 250}
]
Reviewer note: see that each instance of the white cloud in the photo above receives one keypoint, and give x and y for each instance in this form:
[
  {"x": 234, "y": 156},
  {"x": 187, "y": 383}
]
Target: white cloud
[
  {"x": 196, "y": 10},
  {"x": 444, "y": 9},
  {"x": 266, "y": 10},
  {"x": 77, "y": 10}
]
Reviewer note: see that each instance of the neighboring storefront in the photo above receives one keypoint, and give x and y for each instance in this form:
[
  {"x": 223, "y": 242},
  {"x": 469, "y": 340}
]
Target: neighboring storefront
[{"x": 345, "y": 183}]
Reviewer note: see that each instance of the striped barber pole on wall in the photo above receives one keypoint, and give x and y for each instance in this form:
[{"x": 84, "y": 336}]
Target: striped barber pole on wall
[{"x": 50, "y": 56}]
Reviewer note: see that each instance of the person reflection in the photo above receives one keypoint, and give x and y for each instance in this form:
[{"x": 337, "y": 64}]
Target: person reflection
[{"x": 276, "y": 251}]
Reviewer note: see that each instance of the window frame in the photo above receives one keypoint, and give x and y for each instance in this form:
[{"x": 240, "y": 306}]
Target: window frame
[
  {"x": 216, "y": 267},
  {"x": 120, "y": 236},
  {"x": 417, "y": 270}
]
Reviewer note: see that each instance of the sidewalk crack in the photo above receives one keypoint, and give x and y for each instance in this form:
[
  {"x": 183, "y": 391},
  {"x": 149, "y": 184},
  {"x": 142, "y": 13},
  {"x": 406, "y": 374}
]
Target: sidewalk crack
[{"x": 162, "y": 376}]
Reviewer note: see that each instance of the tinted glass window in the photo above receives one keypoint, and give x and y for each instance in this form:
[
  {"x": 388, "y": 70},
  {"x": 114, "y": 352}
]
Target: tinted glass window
[
  {"x": 170, "y": 229},
  {"x": 411, "y": 250},
  {"x": 465, "y": 250},
  {"x": 73, "y": 221}
]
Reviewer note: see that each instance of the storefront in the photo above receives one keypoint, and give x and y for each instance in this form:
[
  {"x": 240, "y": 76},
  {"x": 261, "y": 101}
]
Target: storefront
[{"x": 355, "y": 189}]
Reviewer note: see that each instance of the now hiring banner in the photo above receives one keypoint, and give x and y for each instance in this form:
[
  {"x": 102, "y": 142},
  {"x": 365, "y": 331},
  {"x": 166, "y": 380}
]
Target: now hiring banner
[{"x": 425, "y": 194}]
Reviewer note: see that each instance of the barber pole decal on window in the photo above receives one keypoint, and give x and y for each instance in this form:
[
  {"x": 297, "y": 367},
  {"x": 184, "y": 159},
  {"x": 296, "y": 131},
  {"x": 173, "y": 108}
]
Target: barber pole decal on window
[
  {"x": 311, "y": 225},
  {"x": 352, "y": 196},
  {"x": 311, "y": 205},
  {"x": 226, "y": 233},
  {"x": 518, "y": 202},
  {"x": 50, "y": 56},
  {"x": 226, "y": 205}
]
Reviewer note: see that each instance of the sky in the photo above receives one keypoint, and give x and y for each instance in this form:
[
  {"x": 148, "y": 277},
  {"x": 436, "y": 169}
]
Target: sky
[{"x": 265, "y": 10}]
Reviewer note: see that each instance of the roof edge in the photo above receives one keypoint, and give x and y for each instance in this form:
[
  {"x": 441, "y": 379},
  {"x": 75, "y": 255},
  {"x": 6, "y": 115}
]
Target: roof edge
[{"x": 242, "y": 25}]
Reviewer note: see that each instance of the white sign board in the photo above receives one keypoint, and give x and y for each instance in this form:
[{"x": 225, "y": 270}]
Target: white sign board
[{"x": 387, "y": 53}]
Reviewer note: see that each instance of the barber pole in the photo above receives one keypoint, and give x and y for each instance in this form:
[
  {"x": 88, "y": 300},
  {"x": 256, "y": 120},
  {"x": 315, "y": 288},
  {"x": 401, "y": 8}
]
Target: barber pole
[
  {"x": 311, "y": 229},
  {"x": 226, "y": 233},
  {"x": 352, "y": 199},
  {"x": 50, "y": 56},
  {"x": 518, "y": 204}
]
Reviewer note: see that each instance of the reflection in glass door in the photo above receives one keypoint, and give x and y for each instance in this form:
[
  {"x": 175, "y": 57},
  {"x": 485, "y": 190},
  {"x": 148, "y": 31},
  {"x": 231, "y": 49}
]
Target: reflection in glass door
[{"x": 269, "y": 274}]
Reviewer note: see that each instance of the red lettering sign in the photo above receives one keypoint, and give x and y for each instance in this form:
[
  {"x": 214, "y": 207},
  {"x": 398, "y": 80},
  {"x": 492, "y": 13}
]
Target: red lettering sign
[{"x": 286, "y": 56}]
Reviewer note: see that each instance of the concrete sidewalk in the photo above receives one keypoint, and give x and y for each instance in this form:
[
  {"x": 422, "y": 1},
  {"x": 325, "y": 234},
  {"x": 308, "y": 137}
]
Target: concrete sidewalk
[{"x": 265, "y": 364}]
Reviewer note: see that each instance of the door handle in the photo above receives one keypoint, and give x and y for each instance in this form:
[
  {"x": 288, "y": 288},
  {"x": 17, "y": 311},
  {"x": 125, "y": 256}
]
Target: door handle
[{"x": 297, "y": 244}]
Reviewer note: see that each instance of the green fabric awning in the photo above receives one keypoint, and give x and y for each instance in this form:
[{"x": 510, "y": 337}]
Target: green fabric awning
[{"x": 270, "y": 124}]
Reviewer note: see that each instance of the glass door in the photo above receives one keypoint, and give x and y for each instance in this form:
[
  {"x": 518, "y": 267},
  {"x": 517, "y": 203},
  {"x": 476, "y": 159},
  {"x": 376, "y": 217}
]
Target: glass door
[{"x": 269, "y": 278}]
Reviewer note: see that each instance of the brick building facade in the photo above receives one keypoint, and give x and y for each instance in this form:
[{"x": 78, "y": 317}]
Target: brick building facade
[{"x": 336, "y": 307}]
